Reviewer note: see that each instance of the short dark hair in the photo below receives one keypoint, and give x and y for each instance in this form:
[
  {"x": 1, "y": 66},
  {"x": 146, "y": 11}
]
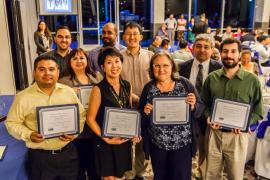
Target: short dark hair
[
  {"x": 165, "y": 42},
  {"x": 158, "y": 54},
  {"x": 132, "y": 24},
  {"x": 230, "y": 41},
  {"x": 182, "y": 43},
  {"x": 245, "y": 30},
  {"x": 61, "y": 27},
  {"x": 108, "y": 51},
  {"x": 88, "y": 69},
  {"x": 262, "y": 38},
  {"x": 46, "y": 58}
]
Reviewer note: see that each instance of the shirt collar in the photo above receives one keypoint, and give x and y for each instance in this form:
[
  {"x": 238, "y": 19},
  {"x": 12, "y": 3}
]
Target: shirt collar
[
  {"x": 69, "y": 50},
  {"x": 239, "y": 74},
  {"x": 129, "y": 53},
  {"x": 205, "y": 63},
  {"x": 57, "y": 86}
]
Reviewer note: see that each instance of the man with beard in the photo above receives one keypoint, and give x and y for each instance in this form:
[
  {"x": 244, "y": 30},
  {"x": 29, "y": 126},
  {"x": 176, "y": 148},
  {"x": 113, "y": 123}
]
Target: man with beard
[
  {"x": 229, "y": 147},
  {"x": 109, "y": 38},
  {"x": 62, "y": 40},
  {"x": 197, "y": 70}
]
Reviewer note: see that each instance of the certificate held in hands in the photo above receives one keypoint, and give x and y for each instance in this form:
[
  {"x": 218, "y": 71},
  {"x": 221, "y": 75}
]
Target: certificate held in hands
[
  {"x": 121, "y": 123},
  {"x": 54, "y": 121},
  {"x": 84, "y": 93},
  {"x": 170, "y": 110},
  {"x": 231, "y": 114}
]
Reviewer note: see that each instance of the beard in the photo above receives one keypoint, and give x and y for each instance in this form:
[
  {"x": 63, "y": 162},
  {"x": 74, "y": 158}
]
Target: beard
[
  {"x": 229, "y": 65},
  {"x": 107, "y": 42}
]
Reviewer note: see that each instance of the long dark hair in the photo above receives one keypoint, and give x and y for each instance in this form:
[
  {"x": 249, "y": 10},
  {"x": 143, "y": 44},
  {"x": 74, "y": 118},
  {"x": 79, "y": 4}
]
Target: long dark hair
[
  {"x": 88, "y": 69},
  {"x": 47, "y": 32}
]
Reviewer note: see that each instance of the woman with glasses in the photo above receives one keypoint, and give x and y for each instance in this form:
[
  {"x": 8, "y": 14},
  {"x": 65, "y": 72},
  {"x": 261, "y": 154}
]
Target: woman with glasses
[
  {"x": 170, "y": 146},
  {"x": 81, "y": 74}
]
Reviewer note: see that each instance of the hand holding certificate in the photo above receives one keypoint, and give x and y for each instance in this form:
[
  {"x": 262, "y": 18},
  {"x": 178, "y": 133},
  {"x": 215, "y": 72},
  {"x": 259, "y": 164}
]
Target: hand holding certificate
[
  {"x": 121, "y": 123},
  {"x": 54, "y": 121},
  {"x": 170, "y": 110},
  {"x": 84, "y": 93},
  {"x": 230, "y": 114}
]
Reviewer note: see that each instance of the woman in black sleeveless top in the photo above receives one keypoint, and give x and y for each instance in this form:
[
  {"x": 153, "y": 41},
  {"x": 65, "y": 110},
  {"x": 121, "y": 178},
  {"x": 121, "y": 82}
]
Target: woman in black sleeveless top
[{"x": 113, "y": 155}]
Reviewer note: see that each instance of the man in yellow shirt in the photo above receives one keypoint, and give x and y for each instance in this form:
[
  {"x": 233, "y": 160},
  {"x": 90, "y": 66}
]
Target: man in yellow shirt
[{"x": 47, "y": 158}]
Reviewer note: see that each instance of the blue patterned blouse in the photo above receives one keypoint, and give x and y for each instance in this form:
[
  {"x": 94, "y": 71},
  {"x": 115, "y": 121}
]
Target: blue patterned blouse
[{"x": 169, "y": 137}]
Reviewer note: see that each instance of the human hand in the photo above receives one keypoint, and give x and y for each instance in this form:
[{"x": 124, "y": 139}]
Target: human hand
[
  {"x": 36, "y": 137},
  {"x": 148, "y": 108},
  {"x": 213, "y": 125},
  {"x": 136, "y": 139},
  {"x": 191, "y": 100},
  {"x": 76, "y": 89},
  {"x": 236, "y": 131},
  {"x": 67, "y": 137},
  {"x": 115, "y": 140}
]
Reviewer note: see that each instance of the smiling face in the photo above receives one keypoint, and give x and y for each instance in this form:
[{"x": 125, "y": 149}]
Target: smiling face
[
  {"x": 245, "y": 58},
  {"x": 230, "y": 55},
  {"x": 202, "y": 50},
  {"x": 63, "y": 39},
  {"x": 109, "y": 35},
  {"x": 78, "y": 62},
  {"x": 112, "y": 66},
  {"x": 132, "y": 37},
  {"x": 46, "y": 73},
  {"x": 42, "y": 26},
  {"x": 162, "y": 68}
]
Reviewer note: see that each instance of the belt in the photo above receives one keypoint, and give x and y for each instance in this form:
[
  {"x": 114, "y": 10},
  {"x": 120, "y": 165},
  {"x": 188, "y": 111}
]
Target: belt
[
  {"x": 52, "y": 151},
  {"x": 225, "y": 130}
]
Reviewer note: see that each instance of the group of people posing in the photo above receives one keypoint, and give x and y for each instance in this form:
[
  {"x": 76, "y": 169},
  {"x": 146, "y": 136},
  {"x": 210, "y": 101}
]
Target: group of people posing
[{"x": 131, "y": 77}]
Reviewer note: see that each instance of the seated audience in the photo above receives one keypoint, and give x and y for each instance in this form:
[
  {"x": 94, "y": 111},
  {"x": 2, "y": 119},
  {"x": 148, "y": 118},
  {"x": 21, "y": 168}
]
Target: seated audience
[
  {"x": 183, "y": 53},
  {"x": 155, "y": 44},
  {"x": 262, "y": 48},
  {"x": 165, "y": 45},
  {"x": 247, "y": 64},
  {"x": 162, "y": 32}
]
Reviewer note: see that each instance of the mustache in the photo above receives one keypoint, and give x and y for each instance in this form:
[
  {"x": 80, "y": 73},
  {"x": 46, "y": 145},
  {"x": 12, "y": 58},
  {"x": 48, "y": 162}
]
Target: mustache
[{"x": 228, "y": 59}]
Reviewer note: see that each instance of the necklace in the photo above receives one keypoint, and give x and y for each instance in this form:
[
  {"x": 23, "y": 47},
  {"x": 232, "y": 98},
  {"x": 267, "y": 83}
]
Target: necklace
[{"x": 118, "y": 97}]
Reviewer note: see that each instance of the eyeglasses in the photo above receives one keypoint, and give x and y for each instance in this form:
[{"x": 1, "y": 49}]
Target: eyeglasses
[
  {"x": 163, "y": 66},
  {"x": 63, "y": 37},
  {"x": 132, "y": 34}
]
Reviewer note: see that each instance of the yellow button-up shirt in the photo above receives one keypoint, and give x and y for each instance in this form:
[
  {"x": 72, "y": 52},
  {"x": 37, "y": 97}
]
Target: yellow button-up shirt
[{"x": 22, "y": 120}]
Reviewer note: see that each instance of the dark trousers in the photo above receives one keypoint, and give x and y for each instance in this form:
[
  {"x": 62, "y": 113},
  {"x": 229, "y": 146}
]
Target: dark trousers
[
  {"x": 86, "y": 151},
  {"x": 48, "y": 165},
  {"x": 173, "y": 165}
]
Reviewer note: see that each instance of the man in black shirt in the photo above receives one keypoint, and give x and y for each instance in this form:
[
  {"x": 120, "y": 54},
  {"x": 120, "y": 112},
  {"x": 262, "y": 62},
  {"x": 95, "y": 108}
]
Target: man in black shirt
[{"x": 62, "y": 40}]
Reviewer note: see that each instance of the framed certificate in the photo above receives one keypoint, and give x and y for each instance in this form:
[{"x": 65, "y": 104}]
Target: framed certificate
[
  {"x": 124, "y": 123},
  {"x": 3, "y": 150},
  {"x": 54, "y": 121},
  {"x": 231, "y": 114},
  {"x": 170, "y": 110},
  {"x": 84, "y": 93}
]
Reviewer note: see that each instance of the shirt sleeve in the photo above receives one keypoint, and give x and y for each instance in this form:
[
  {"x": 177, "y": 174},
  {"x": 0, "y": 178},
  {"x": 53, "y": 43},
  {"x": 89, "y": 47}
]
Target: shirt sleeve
[
  {"x": 15, "y": 122},
  {"x": 257, "y": 106}
]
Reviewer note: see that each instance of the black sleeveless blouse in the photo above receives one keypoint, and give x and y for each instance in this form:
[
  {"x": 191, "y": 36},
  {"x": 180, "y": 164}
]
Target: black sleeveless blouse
[{"x": 109, "y": 98}]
